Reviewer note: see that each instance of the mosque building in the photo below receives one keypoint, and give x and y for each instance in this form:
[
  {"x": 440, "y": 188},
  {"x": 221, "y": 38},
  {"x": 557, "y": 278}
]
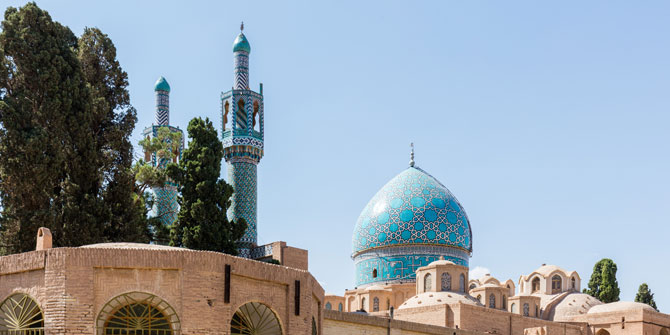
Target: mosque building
[{"x": 411, "y": 249}]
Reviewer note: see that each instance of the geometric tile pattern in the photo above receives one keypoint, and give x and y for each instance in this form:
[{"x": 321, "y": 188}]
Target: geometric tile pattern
[
  {"x": 399, "y": 264},
  {"x": 166, "y": 203},
  {"x": 412, "y": 208},
  {"x": 162, "y": 108},
  {"x": 242, "y": 176},
  {"x": 413, "y": 220}
]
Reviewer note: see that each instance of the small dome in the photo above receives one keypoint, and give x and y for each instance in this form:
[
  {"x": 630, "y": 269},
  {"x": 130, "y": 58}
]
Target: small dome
[
  {"x": 438, "y": 298},
  {"x": 413, "y": 208},
  {"x": 241, "y": 44},
  {"x": 620, "y": 306},
  {"x": 572, "y": 305},
  {"x": 162, "y": 85}
]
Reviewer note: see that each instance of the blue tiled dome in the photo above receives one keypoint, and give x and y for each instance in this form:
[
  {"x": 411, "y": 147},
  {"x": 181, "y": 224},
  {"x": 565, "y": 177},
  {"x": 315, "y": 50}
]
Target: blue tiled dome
[
  {"x": 162, "y": 85},
  {"x": 241, "y": 44},
  {"x": 413, "y": 208}
]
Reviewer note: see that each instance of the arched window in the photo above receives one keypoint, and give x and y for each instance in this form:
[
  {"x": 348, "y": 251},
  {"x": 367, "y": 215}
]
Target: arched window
[
  {"x": 603, "y": 332},
  {"x": 226, "y": 107},
  {"x": 574, "y": 283},
  {"x": 556, "y": 284},
  {"x": 427, "y": 283},
  {"x": 388, "y": 304},
  {"x": 536, "y": 285},
  {"x": 537, "y": 312},
  {"x": 664, "y": 331},
  {"x": 446, "y": 282},
  {"x": 479, "y": 297},
  {"x": 315, "y": 329},
  {"x": 255, "y": 318},
  {"x": 351, "y": 307},
  {"x": 526, "y": 310},
  {"x": 492, "y": 301},
  {"x": 461, "y": 284},
  {"x": 504, "y": 302},
  {"x": 473, "y": 286},
  {"x": 363, "y": 304},
  {"x": 138, "y": 312},
  {"x": 20, "y": 315},
  {"x": 512, "y": 308},
  {"x": 339, "y": 307},
  {"x": 375, "y": 304},
  {"x": 255, "y": 117},
  {"x": 329, "y": 306},
  {"x": 374, "y": 273}
]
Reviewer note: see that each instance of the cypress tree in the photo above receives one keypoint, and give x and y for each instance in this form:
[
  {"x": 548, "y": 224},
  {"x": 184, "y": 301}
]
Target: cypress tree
[
  {"x": 202, "y": 222},
  {"x": 43, "y": 94},
  {"x": 645, "y": 296},
  {"x": 112, "y": 123},
  {"x": 65, "y": 120},
  {"x": 603, "y": 284}
]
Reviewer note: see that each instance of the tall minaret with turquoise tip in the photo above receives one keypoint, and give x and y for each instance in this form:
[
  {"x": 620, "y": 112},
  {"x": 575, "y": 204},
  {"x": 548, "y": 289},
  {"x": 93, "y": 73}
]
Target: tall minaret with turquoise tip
[
  {"x": 242, "y": 136},
  {"x": 166, "y": 206}
]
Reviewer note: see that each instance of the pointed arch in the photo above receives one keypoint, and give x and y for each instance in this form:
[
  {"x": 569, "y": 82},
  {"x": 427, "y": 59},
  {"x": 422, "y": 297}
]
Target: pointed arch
[
  {"x": 427, "y": 282},
  {"x": 445, "y": 282}
]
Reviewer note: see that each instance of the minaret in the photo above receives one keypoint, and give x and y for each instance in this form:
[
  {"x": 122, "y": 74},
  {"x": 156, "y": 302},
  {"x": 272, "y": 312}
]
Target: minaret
[
  {"x": 242, "y": 137},
  {"x": 166, "y": 206}
]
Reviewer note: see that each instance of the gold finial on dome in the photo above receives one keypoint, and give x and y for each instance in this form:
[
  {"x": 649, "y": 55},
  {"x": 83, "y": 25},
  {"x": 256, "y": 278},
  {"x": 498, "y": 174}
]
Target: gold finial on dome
[{"x": 411, "y": 155}]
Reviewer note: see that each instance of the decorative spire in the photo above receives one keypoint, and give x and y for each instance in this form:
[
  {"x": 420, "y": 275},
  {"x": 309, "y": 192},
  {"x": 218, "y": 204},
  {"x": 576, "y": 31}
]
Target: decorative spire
[
  {"x": 411, "y": 155},
  {"x": 242, "y": 27}
]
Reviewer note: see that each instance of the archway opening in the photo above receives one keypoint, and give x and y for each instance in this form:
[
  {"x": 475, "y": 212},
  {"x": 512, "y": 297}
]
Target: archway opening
[
  {"x": 21, "y": 315},
  {"x": 445, "y": 282},
  {"x": 536, "y": 285},
  {"x": 255, "y": 318},
  {"x": 602, "y": 332},
  {"x": 427, "y": 282},
  {"x": 556, "y": 283},
  {"x": 138, "y": 313}
]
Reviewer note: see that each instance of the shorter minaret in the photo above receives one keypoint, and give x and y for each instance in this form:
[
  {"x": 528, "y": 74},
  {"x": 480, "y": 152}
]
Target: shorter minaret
[{"x": 166, "y": 206}]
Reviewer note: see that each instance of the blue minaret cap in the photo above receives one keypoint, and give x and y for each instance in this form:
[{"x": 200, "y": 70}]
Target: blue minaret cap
[
  {"x": 162, "y": 85},
  {"x": 241, "y": 44}
]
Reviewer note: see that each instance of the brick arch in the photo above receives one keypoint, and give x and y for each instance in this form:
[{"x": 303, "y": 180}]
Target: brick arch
[
  {"x": 276, "y": 314},
  {"x": 115, "y": 305}
]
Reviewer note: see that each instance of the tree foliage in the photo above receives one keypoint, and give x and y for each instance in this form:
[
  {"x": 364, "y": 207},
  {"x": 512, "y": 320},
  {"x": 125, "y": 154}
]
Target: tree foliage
[
  {"x": 603, "y": 284},
  {"x": 65, "y": 122},
  {"x": 204, "y": 200},
  {"x": 164, "y": 147},
  {"x": 645, "y": 296}
]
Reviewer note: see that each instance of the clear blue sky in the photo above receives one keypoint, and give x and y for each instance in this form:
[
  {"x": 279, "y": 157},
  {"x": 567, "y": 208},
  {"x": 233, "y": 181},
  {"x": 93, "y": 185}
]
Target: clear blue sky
[{"x": 548, "y": 121}]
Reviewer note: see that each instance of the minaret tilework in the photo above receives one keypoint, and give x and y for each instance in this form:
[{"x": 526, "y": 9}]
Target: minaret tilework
[
  {"x": 166, "y": 206},
  {"x": 242, "y": 137}
]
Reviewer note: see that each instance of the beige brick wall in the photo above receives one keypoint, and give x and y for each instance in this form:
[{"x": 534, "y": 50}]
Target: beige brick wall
[
  {"x": 337, "y": 323},
  {"x": 73, "y": 284}
]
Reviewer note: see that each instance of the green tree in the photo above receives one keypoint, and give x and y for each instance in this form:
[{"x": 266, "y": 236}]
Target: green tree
[
  {"x": 65, "y": 122},
  {"x": 43, "y": 93},
  {"x": 113, "y": 120},
  {"x": 645, "y": 296},
  {"x": 202, "y": 222},
  {"x": 164, "y": 146},
  {"x": 603, "y": 284}
]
